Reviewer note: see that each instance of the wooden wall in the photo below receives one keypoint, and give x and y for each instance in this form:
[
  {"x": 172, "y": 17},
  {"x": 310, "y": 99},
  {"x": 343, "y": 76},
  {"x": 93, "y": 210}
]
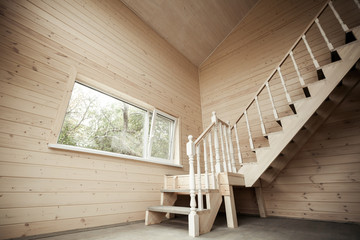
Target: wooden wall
[
  {"x": 245, "y": 201},
  {"x": 232, "y": 75},
  {"x": 44, "y": 190},
  {"x": 323, "y": 180}
]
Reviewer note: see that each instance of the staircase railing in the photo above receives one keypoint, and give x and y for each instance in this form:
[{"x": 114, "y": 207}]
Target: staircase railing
[
  {"x": 290, "y": 55},
  {"x": 213, "y": 143},
  {"x": 217, "y": 139}
]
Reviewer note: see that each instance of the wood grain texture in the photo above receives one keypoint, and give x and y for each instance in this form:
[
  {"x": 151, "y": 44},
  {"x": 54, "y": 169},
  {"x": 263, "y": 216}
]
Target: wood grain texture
[
  {"x": 323, "y": 186},
  {"x": 195, "y": 28},
  {"x": 232, "y": 75},
  {"x": 42, "y": 42}
]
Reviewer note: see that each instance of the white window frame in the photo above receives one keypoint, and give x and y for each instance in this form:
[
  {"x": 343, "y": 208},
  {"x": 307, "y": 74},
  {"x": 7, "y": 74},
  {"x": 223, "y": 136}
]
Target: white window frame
[
  {"x": 155, "y": 112},
  {"x": 172, "y": 160}
]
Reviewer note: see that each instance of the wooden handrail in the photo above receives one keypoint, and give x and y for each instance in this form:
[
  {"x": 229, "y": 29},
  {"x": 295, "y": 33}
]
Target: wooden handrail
[
  {"x": 223, "y": 123},
  {"x": 203, "y": 134},
  {"x": 283, "y": 60},
  {"x": 208, "y": 129}
]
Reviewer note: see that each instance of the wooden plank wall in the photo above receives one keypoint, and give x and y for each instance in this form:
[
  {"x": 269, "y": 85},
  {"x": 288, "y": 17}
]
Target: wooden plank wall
[
  {"x": 245, "y": 201},
  {"x": 230, "y": 77},
  {"x": 44, "y": 190},
  {"x": 323, "y": 180},
  {"x": 233, "y": 74}
]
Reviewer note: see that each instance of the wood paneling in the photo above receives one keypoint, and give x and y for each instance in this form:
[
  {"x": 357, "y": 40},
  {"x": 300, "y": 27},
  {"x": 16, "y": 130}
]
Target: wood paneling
[
  {"x": 44, "y": 190},
  {"x": 195, "y": 28},
  {"x": 232, "y": 75},
  {"x": 323, "y": 180},
  {"x": 245, "y": 200}
]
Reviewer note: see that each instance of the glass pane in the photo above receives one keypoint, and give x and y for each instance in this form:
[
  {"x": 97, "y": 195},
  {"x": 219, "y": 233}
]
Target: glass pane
[
  {"x": 162, "y": 137},
  {"x": 97, "y": 121}
]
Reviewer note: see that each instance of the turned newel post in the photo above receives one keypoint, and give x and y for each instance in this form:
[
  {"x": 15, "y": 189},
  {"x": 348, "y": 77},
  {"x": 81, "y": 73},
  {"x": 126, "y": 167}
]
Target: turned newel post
[
  {"x": 216, "y": 143},
  {"x": 193, "y": 217}
]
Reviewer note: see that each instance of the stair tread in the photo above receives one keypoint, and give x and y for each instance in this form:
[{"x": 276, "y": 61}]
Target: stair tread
[
  {"x": 345, "y": 45},
  {"x": 290, "y": 116},
  {"x": 296, "y": 101},
  {"x": 275, "y": 133},
  {"x": 172, "y": 209},
  {"x": 312, "y": 85},
  {"x": 187, "y": 190}
]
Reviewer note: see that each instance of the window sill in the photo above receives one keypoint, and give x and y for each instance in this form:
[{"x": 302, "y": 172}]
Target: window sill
[{"x": 111, "y": 154}]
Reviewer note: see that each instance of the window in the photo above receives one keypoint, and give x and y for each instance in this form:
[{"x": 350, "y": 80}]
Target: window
[
  {"x": 161, "y": 135},
  {"x": 95, "y": 120}
]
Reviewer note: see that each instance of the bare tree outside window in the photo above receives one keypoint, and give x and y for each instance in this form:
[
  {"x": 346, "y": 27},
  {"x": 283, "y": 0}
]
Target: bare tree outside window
[{"x": 98, "y": 121}]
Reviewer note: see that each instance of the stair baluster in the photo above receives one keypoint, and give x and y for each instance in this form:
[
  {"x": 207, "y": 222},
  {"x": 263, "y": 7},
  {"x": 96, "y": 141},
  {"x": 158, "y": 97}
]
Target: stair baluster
[
  {"x": 301, "y": 80},
  {"x": 272, "y": 101},
  {"x": 206, "y": 165},
  {"x": 222, "y": 147},
  {"x": 216, "y": 142},
  {"x": 288, "y": 98},
  {"x": 249, "y": 131},
  {"x": 231, "y": 148},
  {"x": 193, "y": 216},
  {"x": 211, "y": 161},
  {"x": 316, "y": 64},
  {"x": 263, "y": 130},
  {"x": 238, "y": 144},
  {"x": 200, "y": 197},
  {"x": 227, "y": 148},
  {"x": 323, "y": 34},
  {"x": 343, "y": 25}
]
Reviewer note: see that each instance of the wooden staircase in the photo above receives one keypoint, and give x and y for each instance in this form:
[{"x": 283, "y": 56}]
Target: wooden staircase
[
  {"x": 179, "y": 185},
  {"x": 218, "y": 153},
  {"x": 305, "y": 108},
  {"x": 156, "y": 214}
]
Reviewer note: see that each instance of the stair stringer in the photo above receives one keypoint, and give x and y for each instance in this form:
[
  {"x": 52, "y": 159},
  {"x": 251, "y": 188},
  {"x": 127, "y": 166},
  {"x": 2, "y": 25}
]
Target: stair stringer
[
  {"x": 206, "y": 219},
  {"x": 334, "y": 73},
  {"x": 167, "y": 199},
  {"x": 351, "y": 79}
]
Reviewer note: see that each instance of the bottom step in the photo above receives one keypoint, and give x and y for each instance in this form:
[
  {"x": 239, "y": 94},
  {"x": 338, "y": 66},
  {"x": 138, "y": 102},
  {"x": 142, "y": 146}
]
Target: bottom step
[
  {"x": 175, "y": 210},
  {"x": 170, "y": 209},
  {"x": 199, "y": 223}
]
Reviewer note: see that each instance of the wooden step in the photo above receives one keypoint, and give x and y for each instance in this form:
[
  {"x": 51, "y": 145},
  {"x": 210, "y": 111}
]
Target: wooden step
[
  {"x": 274, "y": 136},
  {"x": 288, "y": 121},
  {"x": 356, "y": 32},
  {"x": 175, "y": 210},
  {"x": 187, "y": 191},
  {"x": 199, "y": 223},
  {"x": 315, "y": 86},
  {"x": 170, "y": 209}
]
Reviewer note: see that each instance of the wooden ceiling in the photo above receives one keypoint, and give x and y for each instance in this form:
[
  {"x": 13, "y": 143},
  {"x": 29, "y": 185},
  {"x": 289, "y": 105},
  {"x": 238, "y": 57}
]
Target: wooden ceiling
[{"x": 194, "y": 27}]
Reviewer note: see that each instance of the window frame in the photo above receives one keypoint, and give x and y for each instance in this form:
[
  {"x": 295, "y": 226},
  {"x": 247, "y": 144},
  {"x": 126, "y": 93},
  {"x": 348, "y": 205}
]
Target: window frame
[
  {"x": 155, "y": 113},
  {"x": 174, "y": 147}
]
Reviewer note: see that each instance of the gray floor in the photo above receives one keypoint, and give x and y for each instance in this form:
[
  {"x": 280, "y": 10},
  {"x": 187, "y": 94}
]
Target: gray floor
[{"x": 250, "y": 227}]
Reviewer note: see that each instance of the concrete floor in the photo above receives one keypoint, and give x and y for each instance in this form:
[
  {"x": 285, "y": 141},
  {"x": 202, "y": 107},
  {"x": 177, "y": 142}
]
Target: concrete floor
[{"x": 250, "y": 228}]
